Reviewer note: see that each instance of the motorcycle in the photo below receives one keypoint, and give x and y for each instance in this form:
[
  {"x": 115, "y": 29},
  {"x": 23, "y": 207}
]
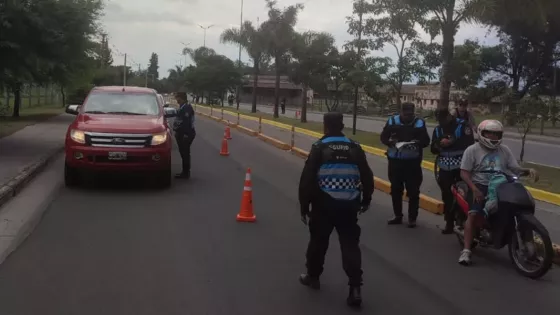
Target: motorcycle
[{"x": 511, "y": 222}]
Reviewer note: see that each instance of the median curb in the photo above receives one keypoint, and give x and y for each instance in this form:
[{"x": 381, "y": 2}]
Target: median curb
[
  {"x": 427, "y": 203},
  {"x": 274, "y": 142},
  {"x": 538, "y": 194},
  {"x": 14, "y": 186}
]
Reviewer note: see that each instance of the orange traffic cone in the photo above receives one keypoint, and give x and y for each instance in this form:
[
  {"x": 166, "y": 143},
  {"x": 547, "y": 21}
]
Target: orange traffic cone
[
  {"x": 246, "y": 213},
  {"x": 227, "y": 134},
  {"x": 224, "y": 151}
]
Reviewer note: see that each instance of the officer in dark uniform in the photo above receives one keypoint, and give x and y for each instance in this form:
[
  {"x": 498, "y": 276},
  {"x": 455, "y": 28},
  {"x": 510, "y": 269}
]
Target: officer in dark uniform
[
  {"x": 450, "y": 139},
  {"x": 184, "y": 132},
  {"x": 405, "y": 160},
  {"x": 338, "y": 184}
]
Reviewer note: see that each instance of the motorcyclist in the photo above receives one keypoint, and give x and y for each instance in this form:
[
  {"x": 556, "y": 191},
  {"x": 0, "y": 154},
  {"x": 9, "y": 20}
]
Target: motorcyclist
[{"x": 479, "y": 160}]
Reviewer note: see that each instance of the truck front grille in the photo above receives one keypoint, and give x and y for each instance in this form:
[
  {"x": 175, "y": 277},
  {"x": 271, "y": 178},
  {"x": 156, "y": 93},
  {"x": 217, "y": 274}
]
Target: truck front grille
[{"x": 118, "y": 140}]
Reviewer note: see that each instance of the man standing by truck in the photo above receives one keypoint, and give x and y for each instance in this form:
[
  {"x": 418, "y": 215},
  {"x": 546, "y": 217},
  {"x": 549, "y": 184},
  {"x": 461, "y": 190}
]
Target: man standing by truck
[{"x": 184, "y": 132}]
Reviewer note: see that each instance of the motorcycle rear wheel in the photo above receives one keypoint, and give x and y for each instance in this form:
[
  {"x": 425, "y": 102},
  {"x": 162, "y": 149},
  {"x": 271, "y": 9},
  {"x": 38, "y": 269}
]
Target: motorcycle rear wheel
[{"x": 545, "y": 264}]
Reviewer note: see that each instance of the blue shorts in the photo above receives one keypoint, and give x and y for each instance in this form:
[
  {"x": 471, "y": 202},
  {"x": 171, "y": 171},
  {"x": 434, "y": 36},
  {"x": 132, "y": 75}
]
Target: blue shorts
[{"x": 477, "y": 207}]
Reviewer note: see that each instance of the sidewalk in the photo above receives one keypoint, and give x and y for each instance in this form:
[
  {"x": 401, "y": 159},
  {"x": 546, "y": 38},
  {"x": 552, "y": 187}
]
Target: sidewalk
[
  {"x": 548, "y": 214},
  {"x": 510, "y": 133},
  {"x": 25, "y": 152}
]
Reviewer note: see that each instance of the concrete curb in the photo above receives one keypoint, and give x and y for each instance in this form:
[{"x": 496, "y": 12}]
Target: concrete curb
[
  {"x": 20, "y": 217},
  {"x": 275, "y": 142},
  {"x": 538, "y": 194},
  {"x": 426, "y": 203},
  {"x": 17, "y": 183}
]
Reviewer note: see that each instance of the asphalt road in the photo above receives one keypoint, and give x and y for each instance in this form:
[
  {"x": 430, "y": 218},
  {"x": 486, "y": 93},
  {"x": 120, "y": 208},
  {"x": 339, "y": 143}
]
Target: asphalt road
[
  {"x": 120, "y": 248},
  {"x": 537, "y": 152}
]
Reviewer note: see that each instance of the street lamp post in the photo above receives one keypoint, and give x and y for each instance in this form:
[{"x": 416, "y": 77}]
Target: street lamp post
[
  {"x": 184, "y": 53},
  {"x": 205, "y": 29}
]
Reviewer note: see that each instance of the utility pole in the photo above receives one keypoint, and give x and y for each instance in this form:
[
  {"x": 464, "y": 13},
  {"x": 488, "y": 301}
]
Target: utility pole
[
  {"x": 239, "y": 60},
  {"x": 124, "y": 71},
  {"x": 146, "y": 85}
]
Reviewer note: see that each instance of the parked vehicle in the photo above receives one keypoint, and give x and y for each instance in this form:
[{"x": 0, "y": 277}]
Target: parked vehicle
[
  {"x": 513, "y": 223},
  {"x": 119, "y": 129}
]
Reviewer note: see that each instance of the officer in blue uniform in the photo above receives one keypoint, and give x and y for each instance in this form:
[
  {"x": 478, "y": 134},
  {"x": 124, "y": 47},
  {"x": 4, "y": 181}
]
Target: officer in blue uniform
[
  {"x": 405, "y": 160},
  {"x": 337, "y": 183},
  {"x": 450, "y": 139},
  {"x": 184, "y": 132}
]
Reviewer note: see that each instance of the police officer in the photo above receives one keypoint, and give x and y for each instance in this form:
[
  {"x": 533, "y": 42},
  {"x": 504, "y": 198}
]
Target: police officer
[
  {"x": 405, "y": 135},
  {"x": 184, "y": 132},
  {"x": 338, "y": 184},
  {"x": 450, "y": 139}
]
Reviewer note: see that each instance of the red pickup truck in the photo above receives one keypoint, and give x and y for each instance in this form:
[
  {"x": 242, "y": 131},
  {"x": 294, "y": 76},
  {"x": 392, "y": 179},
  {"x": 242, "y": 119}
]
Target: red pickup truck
[{"x": 119, "y": 129}]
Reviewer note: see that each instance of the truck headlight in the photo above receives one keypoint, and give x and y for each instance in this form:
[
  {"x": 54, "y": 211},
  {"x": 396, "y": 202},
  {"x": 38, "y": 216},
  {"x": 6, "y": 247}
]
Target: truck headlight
[
  {"x": 78, "y": 136},
  {"x": 159, "y": 138}
]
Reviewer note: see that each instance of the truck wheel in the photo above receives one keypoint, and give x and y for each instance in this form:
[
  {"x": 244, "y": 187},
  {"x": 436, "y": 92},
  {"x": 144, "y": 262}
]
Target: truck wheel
[
  {"x": 164, "y": 179},
  {"x": 71, "y": 176}
]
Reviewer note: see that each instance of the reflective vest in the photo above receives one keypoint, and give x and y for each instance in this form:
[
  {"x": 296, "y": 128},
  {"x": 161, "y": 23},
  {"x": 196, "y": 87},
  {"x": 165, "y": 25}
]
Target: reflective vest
[
  {"x": 450, "y": 160},
  {"x": 339, "y": 178},
  {"x": 407, "y": 152}
]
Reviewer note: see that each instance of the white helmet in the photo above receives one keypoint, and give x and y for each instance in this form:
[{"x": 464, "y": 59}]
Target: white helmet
[{"x": 493, "y": 126}]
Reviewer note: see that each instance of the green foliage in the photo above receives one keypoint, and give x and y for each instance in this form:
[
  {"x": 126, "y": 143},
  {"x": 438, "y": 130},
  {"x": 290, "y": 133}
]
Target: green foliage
[{"x": 153, "y": 66}]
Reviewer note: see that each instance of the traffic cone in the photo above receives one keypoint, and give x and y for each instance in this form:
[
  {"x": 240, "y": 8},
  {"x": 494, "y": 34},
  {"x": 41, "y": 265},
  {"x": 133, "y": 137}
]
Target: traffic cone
[
  {"x": 224, "y": 151},
  {"x": 227, "y": 134},
  {"x": 246, "y": 212}
]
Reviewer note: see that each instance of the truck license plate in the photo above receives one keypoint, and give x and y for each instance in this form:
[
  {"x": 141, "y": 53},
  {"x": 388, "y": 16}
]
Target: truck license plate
[{"x": 117, "y": 156}]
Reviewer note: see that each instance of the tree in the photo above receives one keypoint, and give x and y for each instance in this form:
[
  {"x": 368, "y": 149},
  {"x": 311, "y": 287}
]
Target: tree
[
  {"x": 279, "y": 32},
  {"x": 340, "y": 65},
  {"x": 530, "y": 111},
  {"x": 448, "y": 15},
  {"x": 153, "y": 66},
  {"x": 394, "y": 24},
  {"x": 254, "y": 42},
  {"x": 465, "y": 69},
  {"x": 311, "y": 53}
]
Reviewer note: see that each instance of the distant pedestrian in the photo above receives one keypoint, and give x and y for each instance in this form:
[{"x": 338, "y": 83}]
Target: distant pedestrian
[
  {"x": 450, "y": 139},
  {"x": 337, "y": 183},
  {"x": 283, "y": 105},
  {"x": 406, "y": 136},
  {"x": 184, "y": 132}
]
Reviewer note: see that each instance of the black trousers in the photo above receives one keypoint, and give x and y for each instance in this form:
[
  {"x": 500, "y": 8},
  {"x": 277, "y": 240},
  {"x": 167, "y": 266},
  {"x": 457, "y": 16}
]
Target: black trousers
[
  {"x": 405, "y": 174},
  {"x": 184, "y": 143},
  {"x": 445, "y": 180},
  {"x": 321, "y": 224}
]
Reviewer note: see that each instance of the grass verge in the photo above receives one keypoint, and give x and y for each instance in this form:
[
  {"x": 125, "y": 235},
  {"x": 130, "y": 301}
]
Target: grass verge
[
  {"x": 549, "y": 176},
  {"x": 28, "y": 116}
]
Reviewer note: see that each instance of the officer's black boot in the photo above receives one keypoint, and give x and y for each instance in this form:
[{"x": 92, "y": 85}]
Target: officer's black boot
[
  {"x": 448, "y": 228},
  {"x": 183, "y": 175},
  {"x": 395, "y": 220},
  {"x": 354, "y": 297},
  {"x": 309, "y": 281}
]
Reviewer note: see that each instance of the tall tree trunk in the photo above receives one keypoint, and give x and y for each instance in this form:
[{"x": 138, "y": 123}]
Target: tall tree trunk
[
  {"x": 447, "y": 57},
  {"x": 16, "y": 89},
  {"x": 63, "y": 96},
  {"x": 255, "y": 86},
  {"x": 277, "y": 86},
  {"x": 304, "y": 104}
]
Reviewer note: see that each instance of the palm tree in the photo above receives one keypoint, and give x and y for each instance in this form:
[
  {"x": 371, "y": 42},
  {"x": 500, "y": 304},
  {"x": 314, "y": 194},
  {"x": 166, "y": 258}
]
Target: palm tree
[
  {"x": 448, "y": 15},
  {"x": 279, "y": 32},
  {"x": 198, "y": 55},
  {"x": 253, "y": 41},
  {"x": 312, "y": 56}
]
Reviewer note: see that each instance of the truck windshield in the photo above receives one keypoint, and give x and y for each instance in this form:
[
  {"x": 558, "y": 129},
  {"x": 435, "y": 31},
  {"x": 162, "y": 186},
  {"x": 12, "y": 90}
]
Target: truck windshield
[{"x": 121, "y": 103}]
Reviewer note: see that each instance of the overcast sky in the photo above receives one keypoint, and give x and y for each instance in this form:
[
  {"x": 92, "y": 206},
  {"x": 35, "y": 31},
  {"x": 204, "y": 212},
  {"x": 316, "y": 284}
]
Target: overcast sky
[{"x": 140, "y": 27}]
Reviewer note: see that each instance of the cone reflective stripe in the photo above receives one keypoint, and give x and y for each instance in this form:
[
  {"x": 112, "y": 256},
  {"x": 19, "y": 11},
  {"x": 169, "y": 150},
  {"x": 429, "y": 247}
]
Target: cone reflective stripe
[
  {"x": 224, "y": 151},
  {"x": 227, "y": 133},
  {"x": 246, "y": 212}
]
